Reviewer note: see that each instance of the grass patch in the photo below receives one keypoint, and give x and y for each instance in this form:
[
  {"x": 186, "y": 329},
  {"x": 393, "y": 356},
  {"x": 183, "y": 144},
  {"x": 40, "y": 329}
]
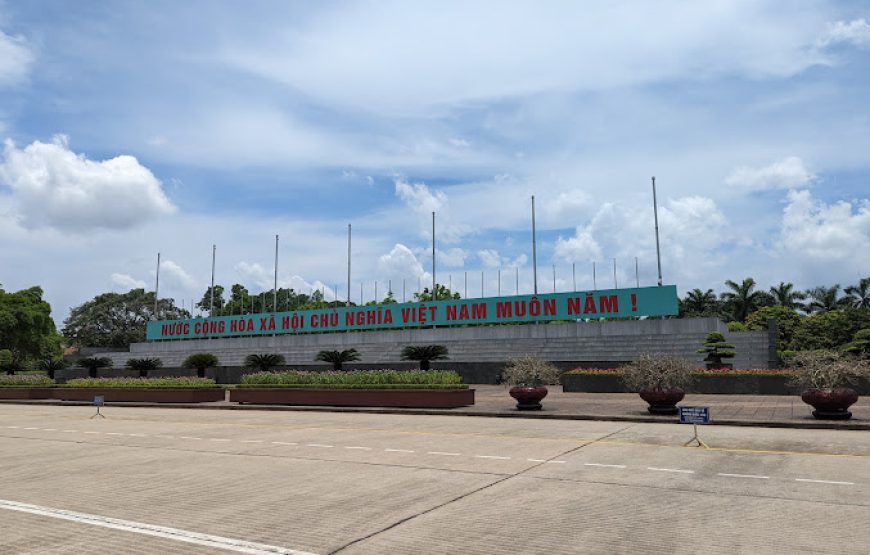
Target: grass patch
[
  {"x": 361, "y": 379},
  {"x": 142, "y": 383}
]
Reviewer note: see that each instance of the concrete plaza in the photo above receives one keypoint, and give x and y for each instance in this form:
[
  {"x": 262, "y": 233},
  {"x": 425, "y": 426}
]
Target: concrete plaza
[{"x": 146, "y": 480}]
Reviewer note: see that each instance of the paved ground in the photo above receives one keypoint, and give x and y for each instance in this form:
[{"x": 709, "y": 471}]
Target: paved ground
[{"x": 205, "y": 481}]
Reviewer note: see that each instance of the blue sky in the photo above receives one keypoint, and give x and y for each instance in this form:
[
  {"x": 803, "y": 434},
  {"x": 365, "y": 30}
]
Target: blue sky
[{"x": 136, "y": 128}]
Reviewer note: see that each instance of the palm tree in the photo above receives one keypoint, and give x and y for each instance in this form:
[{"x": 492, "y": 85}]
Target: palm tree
[
  {"x": 200, "y": 361},
  {"x": 698, "y": 303},
  {"x": 144, "y": 365},
  {"x": 337, "y": 358},
  {"x": 51, "y": 365},
  {"x": 858, "y": 296},
  {"x": 94, "y": 363},
  {"x": 264, "y": 363},
  {"x": 424, "y": 353},
  {"x": 742, "y": 299},
  {"x": 786, "y": 296},
  {"x": 824, "y": 299}
]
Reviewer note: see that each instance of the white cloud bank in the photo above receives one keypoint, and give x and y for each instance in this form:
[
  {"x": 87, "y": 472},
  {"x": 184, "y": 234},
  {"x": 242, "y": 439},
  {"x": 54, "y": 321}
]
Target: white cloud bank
[
  {"x": 837, "y": 233},
  {"x": 855, "y": 32},
  {"x": 15, "y": 59},
  {"x": 54, "y": 187},
  {"x": 788, "y": 173},
  {"x": 127, "y": 282}
]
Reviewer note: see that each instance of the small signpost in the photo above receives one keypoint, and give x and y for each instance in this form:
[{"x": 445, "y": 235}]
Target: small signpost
[
  {"x": 99, "y": 401},
  {"x": 695, "y": 416}
]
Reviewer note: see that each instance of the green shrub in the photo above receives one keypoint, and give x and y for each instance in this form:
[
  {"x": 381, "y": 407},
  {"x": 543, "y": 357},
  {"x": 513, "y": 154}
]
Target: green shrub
[
  {"x": 337, "y": 358},
  {"x": 372, "y": 379},
  {"x": 144, "y": 365},
  {"x": 265, "y": 362},
  {"x": 424, "y": 354},
  {"x": 787, "y": 323},
  {"x": 25, "y": 381},
  {"x": 860, "y": 344},
  {"x": 737, "y": 326},
  {"x": 830, "y": 330},
  {"x": 51, "y": 365},
  {"x": 200, "y": 361},
  {"x": 94, "y": 363},
  {"x": 716, "y": 348},
  {"x": 144, "y": 383}
]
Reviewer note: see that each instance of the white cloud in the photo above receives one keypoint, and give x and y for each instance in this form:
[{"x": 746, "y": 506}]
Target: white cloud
[
  {"x": 127, "y": 282},
  {"x": 490, "y": 258},
  {"x": 422, "y": 200},
  {"x": 451, "y": 258},
  {"x": 814, "y": 230},
  {"x": 788, "y": 173},
  {"x": 400, "y": 262},
  {"x": 581, "y": 247},
  {"x": 419, "y": 197},
  {"x": 54, "y": 187},
  {"x": 15, "y": 59},
  {"x": 855, "y": 32},
  {"x": 179, "y": 276}
]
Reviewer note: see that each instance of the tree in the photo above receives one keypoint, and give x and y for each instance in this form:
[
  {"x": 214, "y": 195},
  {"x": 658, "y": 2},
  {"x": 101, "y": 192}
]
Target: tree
[
  {"x": 699, "y": 303},
  {"x": 824, "y": 299},
  {"x": 206, "y": 302},
  {"x": 442, "y": 294},
  {"x": 787, "y": 323},
  {"x": 716, "y": 348},
  {"x": 51, "y": 365},
  {"x": 26, "y": 327},
  {"x": 144, "y": 365},
  {"x": 742, "y": 299},
  {"x": 94, "y": 363},
  {"x": 265, "y": 362},
  {"x": 858, "y": 296},
  {"x": 860, "y": 344},
  {"x": 200, "y": 361},
  {"x": 785, "y": 295},
  {"x": 424, "y": 353},
  {"x": 117, "y": 319},
  {"x": 337, "y": 358}
]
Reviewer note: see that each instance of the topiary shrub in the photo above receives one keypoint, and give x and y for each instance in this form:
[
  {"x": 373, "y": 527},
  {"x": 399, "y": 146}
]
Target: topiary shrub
[
  {"x": 264, "y": 362},
  {"x": 860, "y": 344},
  {"x": 716, "y": 349},
  {"x": 144, "y": 365},
  {"x": 337, "y": 358},
  {"x": 94, "y": 363},
  {"x": 424, "y": 354},
  {"x": 200, "y": 361}
]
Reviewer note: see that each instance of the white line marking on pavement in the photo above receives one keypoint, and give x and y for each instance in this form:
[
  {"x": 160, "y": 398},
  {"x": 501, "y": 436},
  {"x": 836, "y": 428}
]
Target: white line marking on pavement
[
  {"x": 208, "y": 540},
  {"x": 165, "y": 437},
  {"x": 318, "y": 445},
  {"x": 443, "y": 453},
  {"x": 359, "y": 448},
  {"x": 536, "y": 460},
  {"x": 492, "y": 457},
  {"x": 189, "y": 437},
  {"x": 605, "y": 465},
  {"x": 824, "y": 482},
  {"x": 556, "y": 462},
  {"x": 388, "y": 450},
  {"x": 31, "y": 428},
  {"x": 755, "y": 476},
  {"x": 138, "y": 435},
  {"x": 70, "y": 431},
  {"x": 284, "y": 443},
  {"x": 252, "y": 441},
  {"x": 114, "y": 434},
  {"x": 671, "y": 470},
  {"x": 13, "y": 427},
  {"x": 92, "y": 432},
  {"x": 49, "y": 429},
  {"x": 218, "y": 439}
]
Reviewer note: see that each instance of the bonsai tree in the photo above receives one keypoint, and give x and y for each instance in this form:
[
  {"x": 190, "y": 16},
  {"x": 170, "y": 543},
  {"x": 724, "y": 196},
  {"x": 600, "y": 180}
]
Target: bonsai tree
[
  {"x": 337, "y": 358},
  {"x": 200, "y": 361},
  {"x": 530, "y": 371},
  {"x": 144, "y": 365},
  {"x": 824, "y": 377},
  {"x": 264, "y": 362},
  {"x": 94, "y": 363},
  {"x": 51, "y": 365},
  {"x": 659, "y": 380},
  {"x": 716, "y": 349},
  {"x": 424, "y": 353},
  {"x": 860, "y": 344}
]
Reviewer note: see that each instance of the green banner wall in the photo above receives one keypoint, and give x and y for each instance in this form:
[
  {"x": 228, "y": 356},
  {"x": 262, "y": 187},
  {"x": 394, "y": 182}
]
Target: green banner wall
[{"x": 607, "y": 303}]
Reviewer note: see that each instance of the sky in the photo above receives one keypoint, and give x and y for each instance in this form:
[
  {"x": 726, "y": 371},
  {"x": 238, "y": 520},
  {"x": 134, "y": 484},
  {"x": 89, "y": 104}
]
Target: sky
[{"x": 130, "y": 129}]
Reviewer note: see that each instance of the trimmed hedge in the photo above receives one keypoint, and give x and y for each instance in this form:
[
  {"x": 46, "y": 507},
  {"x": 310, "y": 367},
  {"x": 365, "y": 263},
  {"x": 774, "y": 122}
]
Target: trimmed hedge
[
  {"x": 142, "y": 383},
  {"x": 354, "y": 386},
  {"x": 366, "y": 378}
]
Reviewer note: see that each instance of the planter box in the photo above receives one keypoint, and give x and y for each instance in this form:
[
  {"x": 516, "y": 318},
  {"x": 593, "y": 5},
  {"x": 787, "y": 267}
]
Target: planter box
[
  {"x": 26, "y": 392},
  {"x": 409, "y": 398},
  {"x": 132, "y": 395},
  {"x": 593, "y": 383}
]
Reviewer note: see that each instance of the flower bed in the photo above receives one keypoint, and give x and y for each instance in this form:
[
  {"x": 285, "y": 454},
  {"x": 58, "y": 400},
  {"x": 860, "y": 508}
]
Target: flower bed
[
  {"x": 378, "y": 388},
  {"x": 153, "y": 390},
  {"x": 25, "y": 386}
]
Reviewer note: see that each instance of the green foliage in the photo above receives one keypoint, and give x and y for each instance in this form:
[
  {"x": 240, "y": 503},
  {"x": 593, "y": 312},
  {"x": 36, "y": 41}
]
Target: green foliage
[
  {"x": 824, "y": 299},
  {"x": 737, "y": 326},
  {"x": 200, "y": 361},
  {"x": 242, "y": 301},
  {"x": 858, "y": 296},
  {"x": 716, "y": 348},
  {"x": 26, "y": 328},
  {"x": 657, "y": 372},
  {"x": 94, "y": 363},
  {"x": 117, "y": 319},
  {"x": 26, "y": 381},
  {"x": 829, "y": 330},
  {"x": 787, "y": 323},
  {"x": 826, "y": 370},
  {"x": 264, "y": 362},
  {"x": 206, "y": 302},
  {"x": 442, "y": 294},
  {"x": 699, "y": 303},
  {"x": 51, "y": 365},
  {"x": 785, "y": 296},
  {"x": 530, "y": 371},
  {"x": 358, "y": 379},
  {"x": 143, "y": 383},
  {"x": 144, "y": 365},
  {"x": 5, "y": 358},
  {"x": 338, "y": 358},
  {"x": 860, "y": 344},
  {"x": 424, "y": 354},
  {"x": 743, "y": 299}
]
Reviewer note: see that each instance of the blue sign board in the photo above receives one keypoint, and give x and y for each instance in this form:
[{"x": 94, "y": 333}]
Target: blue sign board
[{"x": 694, "y": 415}]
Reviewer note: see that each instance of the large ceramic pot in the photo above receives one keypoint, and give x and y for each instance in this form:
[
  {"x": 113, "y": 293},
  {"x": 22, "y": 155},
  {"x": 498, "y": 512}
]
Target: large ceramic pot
[
  {"x": 528, "y": 397},
  {"x": 662, "y": 401},
  {"x": 831, "y": 404}
]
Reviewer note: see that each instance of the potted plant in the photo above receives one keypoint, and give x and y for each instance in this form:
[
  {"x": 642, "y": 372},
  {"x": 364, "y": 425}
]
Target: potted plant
[
  {"x": 200, "y": 361},
  {"x": 337, "y": 358},
  {"x": 824, "y": 377},
  {"x": 144, "y": 365},
  {"x": 424, "y": 354},
  {"x": 659, "y": 380},
  {"x": 264, "y": 363},
  {"x": 529, "y": 375},
  {"x": 716, "y": 349}
]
